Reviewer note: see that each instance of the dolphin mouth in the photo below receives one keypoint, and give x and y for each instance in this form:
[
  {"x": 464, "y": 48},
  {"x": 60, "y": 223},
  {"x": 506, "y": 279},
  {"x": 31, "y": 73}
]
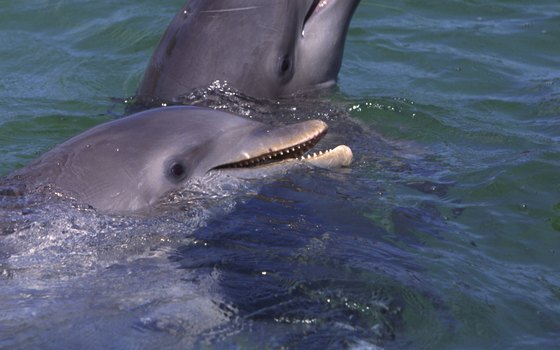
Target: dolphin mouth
[
  {"x": 296, "y": 146},
  {"x": 296, "y": 151},
  {"x": 315, "y": 7}
]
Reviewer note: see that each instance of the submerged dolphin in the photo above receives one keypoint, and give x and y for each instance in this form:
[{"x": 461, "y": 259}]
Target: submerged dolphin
[
  {"x": 128, "y": 164},
  {"x": 263, "y": 48}
]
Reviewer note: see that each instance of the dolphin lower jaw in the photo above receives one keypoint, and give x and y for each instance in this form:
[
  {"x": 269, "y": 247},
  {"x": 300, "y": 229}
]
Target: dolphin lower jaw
[
  {"x": 330, "y": 158},
  {"x": 312, "y": 9},
  {"x": 340, "y": 156},
  {"x": 319, "y": 6},
  {"x": 329, "y": 83}
]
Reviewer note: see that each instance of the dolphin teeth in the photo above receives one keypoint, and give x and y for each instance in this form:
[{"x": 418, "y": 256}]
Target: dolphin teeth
[{"x": 287, "y": 151}]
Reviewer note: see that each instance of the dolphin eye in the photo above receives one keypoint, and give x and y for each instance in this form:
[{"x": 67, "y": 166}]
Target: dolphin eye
[
  {"x": 285, "y": 68},
  {"x": 286, "y": 64},
  {"x": 177, "y": 171}
]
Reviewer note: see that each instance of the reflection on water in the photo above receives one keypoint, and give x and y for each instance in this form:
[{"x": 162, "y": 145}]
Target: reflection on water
[{"x": 295, "y": 258}]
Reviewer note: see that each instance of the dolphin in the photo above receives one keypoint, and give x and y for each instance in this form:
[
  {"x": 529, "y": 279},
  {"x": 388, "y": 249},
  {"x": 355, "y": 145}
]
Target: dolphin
[
  {"x": 128, "y": 165},
  {"x": 262, "y": 48}
]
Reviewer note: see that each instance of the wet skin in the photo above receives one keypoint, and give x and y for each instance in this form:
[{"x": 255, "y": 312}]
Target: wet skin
[
  {"x": 129, "y": 164},
  {"x": 262, "y": 48}
]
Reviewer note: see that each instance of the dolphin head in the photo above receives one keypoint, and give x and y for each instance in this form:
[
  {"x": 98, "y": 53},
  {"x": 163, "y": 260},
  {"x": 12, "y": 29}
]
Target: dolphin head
[
  {"x": 129, "y": 164},
  {"x": 262, "y": 48}
]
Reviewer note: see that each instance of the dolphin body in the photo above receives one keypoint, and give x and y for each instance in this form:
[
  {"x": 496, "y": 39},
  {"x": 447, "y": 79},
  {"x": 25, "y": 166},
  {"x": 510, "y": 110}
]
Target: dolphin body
[
  {"x": 262, "y": 48},
  {"x": 128, "y": 165}
]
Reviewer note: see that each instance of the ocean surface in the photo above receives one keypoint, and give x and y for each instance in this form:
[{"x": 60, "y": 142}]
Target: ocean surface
[{"x": 444, "y": 233}]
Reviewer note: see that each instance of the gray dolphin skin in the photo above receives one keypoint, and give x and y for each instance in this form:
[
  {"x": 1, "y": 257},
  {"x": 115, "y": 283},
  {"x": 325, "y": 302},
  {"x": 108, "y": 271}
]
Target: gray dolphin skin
[
  {"x": 128, "y": 164},
  {"x": 262, "y": 48}
]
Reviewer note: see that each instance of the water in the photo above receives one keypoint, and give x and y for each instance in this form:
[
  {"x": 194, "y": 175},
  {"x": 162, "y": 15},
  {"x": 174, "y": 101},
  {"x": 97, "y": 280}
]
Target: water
[{"x": 444, "y": 234}]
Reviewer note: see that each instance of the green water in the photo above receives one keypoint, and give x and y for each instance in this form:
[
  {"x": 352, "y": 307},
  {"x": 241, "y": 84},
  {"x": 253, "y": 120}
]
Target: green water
[{"x": 474, "y": 86}]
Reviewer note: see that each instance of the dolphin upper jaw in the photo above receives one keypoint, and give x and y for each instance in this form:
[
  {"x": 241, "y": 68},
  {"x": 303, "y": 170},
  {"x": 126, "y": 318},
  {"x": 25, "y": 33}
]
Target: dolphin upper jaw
[{"x": 264, "y": 143}]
